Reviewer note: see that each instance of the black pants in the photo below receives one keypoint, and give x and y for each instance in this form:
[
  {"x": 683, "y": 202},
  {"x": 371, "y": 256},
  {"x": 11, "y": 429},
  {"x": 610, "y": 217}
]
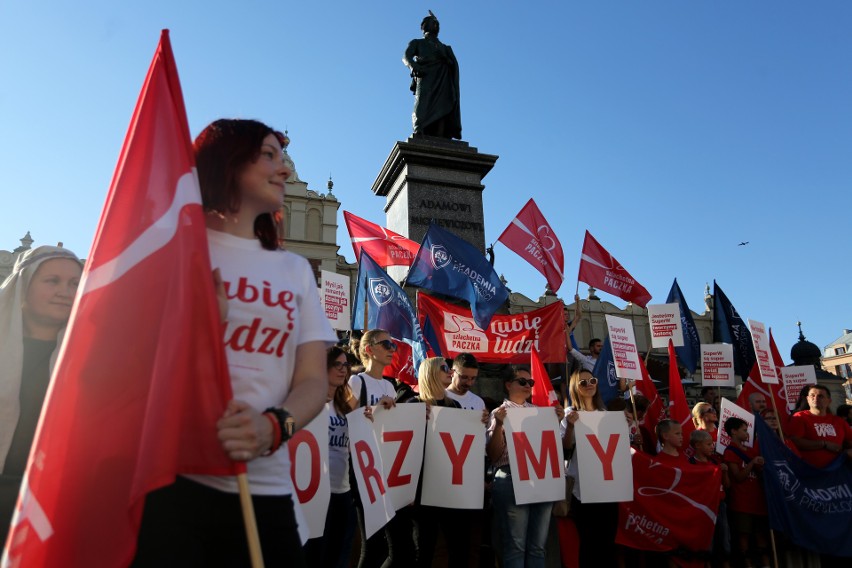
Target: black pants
[
  {"x": 332, "y": 549},
  {"x": 597, "y": 524},
  {"x": 187, "y": 524},
  {"x": 456, "y": 526}
]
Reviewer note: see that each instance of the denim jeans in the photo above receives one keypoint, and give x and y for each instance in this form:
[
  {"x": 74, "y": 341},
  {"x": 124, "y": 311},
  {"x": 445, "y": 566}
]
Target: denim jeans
[{"x": 523, "y": 528}]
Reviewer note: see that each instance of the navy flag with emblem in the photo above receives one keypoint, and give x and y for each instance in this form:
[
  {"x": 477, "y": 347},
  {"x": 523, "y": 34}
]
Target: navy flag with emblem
[
  {"x": 604, "y": 372},
  {"x": 450, "y": 265},
  {"x": 387, "y": 306},
  {"x": 690, "y": 352},
  {"x": 729, "y": 327}
]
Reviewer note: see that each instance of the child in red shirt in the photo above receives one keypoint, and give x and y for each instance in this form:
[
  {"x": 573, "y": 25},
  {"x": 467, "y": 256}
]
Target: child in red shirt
[
  {"x": 670, "y": 435},
  {"x": 704, "y": 455}
]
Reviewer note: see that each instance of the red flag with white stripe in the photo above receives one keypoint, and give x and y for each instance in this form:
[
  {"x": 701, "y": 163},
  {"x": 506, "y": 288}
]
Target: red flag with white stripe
[
  {"x": 384, "y": 246},
  {"x": 598, "y": 268},
  {"x": 542, "y": 391},
  {"x": 530, "y": 236},
  {"x": 141, "y": 377}
]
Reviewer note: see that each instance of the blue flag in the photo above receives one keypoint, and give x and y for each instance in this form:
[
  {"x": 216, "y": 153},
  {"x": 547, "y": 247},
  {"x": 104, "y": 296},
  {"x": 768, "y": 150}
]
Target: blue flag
[
  {"x": 729, "y": 327},
  {"x": 604, "y": 372},
  {"x": 387, "y": 307},
  {"x": 450, "y": 265},
  {"x": 812, "y": 506},
  {"x": 431, "y": 336},
  {"x": 690, "y": 353}
]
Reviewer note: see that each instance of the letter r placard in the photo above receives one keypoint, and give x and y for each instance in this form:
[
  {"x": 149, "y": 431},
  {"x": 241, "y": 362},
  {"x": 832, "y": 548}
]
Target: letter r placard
[{"x": 603, "y": 456}]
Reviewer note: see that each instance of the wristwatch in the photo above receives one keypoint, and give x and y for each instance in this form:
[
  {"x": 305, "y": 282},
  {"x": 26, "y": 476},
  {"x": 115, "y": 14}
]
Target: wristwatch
[{"x": 285, "y": 421}]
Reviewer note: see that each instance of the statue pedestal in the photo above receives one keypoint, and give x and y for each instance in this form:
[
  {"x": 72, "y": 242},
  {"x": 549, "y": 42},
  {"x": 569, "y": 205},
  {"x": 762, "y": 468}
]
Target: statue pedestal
[{"x": 427, "y": 178}]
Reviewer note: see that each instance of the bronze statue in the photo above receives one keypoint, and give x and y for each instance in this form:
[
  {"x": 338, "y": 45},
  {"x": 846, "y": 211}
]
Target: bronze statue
[{"x": 434, "y": 82}]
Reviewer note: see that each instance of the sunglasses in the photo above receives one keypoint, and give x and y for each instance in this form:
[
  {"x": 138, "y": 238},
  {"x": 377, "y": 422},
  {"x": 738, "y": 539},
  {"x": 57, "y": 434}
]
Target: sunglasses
[
  {"x": 337, "y": 365},
  {"x": 588, "y": 382},
  {"x": 445, "y": 368},
  {"x": 386, "y": 343},
  {"x": 525, "y": 382}
]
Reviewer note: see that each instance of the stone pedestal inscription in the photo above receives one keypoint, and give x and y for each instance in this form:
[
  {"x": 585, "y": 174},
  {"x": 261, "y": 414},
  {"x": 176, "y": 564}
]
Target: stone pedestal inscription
[{"x": 427, "y": 178}]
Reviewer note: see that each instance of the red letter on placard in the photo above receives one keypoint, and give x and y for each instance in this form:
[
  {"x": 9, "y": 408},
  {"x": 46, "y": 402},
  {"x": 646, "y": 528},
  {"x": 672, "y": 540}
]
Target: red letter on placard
[
  {"x": 607, "y": 456},
  {"x": 305, "y": 437},
  {"x": 525, "y": 452},
  {"x": 367, "y": 463},
  {"x": 404, "y": 437},
  {"x": 457, "y": 458}
]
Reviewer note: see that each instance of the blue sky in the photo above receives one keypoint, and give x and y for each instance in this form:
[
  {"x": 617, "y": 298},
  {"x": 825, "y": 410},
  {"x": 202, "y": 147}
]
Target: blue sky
[{"x": 671, "y": 130}]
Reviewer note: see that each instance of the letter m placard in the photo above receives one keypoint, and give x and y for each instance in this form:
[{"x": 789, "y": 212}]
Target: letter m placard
[{"x": 535, "y": 455}]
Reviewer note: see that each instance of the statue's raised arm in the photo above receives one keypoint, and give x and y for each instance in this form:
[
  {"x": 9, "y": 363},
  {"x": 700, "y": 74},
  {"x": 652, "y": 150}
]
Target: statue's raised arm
[{"x": 434, "y": 82}]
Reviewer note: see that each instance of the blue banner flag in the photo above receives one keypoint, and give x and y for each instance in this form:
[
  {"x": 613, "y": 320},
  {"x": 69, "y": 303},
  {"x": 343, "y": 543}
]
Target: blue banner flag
[
  {"x": 604, "y": 372},
  {"x": 387, "y": 307},
  {"x": 431, "y": 337},
  {"x": 729, "y": 327},
  {"x": 450, "y": 265},
  {"x": 690, "y": 353},
  {"x": 812, "y": 506}
]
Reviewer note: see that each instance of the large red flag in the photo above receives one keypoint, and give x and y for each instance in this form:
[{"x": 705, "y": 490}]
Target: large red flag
[
  {"x": 598, "y": 268},
  {"x": 679, "y": 410},
  {"x": 384, "y": 246},
  {"x": 542, "y": 391},
  {"x": 530, "y": 236},
  {"x": 141, "y": 377},
  {"x": 755, "y": 383}
]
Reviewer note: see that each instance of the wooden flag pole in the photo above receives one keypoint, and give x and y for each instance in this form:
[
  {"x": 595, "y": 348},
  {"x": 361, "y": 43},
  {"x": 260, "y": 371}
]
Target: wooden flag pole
[
  {"x": 250, "y": 521},
  {"x": 777, "y": 417}
]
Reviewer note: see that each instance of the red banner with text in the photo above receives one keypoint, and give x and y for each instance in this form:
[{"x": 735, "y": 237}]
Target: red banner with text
[{"x": 508, "y": 339}]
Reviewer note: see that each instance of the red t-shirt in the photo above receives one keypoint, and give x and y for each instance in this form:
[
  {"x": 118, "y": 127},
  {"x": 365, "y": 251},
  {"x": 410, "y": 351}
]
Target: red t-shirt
[
  {"x": 828, "y": 427},
  {"x": 747, "y": 496},
  {"x": 672, "y": 461},
  {"x": 710, "y": 464}
]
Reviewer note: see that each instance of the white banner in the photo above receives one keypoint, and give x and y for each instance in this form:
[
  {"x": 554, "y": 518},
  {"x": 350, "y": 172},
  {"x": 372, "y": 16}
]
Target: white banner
[
  {"x": 401, "y": 432},
  {"x": 309, "y": 472},
  {"x": 760, "y": 339},
  {"x": 334, "y": 294},
  {"x": 624, "y": 353},
  {"x": 729, "y": 409},
  {"x": 367, "y": 463},
  {"x": 665, "y": 325},
  {"x": 603, "y": 457},
  {"x": 717, "y": 365},
  {"x": 453, "y": 474},
  {"x": 535, "y": 454},
  {"x": 794, "y": 379}
]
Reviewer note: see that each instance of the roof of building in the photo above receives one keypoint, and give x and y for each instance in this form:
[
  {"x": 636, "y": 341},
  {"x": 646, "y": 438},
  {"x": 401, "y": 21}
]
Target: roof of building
[{"x": 844, "y": 339}]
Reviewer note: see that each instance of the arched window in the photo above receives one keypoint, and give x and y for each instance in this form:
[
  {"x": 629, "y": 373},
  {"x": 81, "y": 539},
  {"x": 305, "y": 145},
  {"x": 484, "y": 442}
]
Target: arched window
[{"x": 313, "y": 225}]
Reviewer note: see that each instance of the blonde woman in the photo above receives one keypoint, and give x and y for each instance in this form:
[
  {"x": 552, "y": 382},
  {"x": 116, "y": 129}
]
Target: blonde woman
[{"x": 704, "y": 417}]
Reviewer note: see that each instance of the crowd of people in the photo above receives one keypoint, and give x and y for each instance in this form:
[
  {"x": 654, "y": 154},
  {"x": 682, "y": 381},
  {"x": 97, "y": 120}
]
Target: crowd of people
[{"x": 196, "y": 521}]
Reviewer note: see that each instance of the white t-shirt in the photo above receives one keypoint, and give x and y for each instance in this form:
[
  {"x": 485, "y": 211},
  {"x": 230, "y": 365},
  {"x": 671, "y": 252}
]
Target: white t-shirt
[
  {"x": 338, "y": 450},
  {"x": 376, "y": 388},
  {"x": 468, "y": 401},
  {"x": 273, "y": 307}
]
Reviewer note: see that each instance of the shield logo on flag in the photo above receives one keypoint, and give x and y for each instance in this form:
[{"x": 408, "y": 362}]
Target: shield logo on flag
[
  {"x": 381, "y": 291},
  {"x": 788, "y": 479},
  {"x": 611, "y": 376},
  {"x": 439, "y": 256}
]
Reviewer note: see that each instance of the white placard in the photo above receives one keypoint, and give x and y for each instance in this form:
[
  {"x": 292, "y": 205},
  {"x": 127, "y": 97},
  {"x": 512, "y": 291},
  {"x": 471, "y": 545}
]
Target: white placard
[
  {"x": 729, "y": 409},
  {"x": 760, "y": 339},
  {"x": 452, "y": 468},
  {"x": 623, "y": 343},
  {"x": 535, "y": 454},
  {"x": 401, "y": 431},
  {"x": 603, "y": 457},
  {"x": 717, "y": 365},
  {"x": 367, "y": 464},
  {"x": 309, "y": 472},
  {"x": 665, "y": 324},
  {"x": 794, "y": 379},
  {"x": 334, "y": 294}
]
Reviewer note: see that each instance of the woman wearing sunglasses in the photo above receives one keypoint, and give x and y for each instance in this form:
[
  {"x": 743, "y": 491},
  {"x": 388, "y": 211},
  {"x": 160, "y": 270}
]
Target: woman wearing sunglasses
[
  {"x": 369, "y": 389},
  {"x": 704, "y": 417},
  {"x": 523, "y": 528},
  {"x": 596, "y": 522}
]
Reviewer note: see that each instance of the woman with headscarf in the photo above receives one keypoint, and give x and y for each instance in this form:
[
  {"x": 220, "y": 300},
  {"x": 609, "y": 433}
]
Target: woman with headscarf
[{"x": 35, "y": 304}]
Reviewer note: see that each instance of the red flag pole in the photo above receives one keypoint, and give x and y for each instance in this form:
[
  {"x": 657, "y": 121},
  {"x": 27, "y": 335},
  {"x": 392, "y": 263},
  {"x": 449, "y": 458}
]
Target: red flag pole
[{"x": 250, "y": 521}]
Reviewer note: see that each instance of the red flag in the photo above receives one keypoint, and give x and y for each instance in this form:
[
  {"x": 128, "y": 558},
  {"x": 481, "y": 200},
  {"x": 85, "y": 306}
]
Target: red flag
[
  {"x": 530, "y": 236},
  {"x": 755, "y": 383},
  {"x": 402, "y": 365},
  {"x": 679, "y": 410},
  {"x": 672, "y": 507},
  {"x": 656, "y": 410},
  {"x": 542, "y": 391},
  {"x": 384, "y": 246},
  {"x": 141, "y": 377},
  {"x": 598, "y": 268}
]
